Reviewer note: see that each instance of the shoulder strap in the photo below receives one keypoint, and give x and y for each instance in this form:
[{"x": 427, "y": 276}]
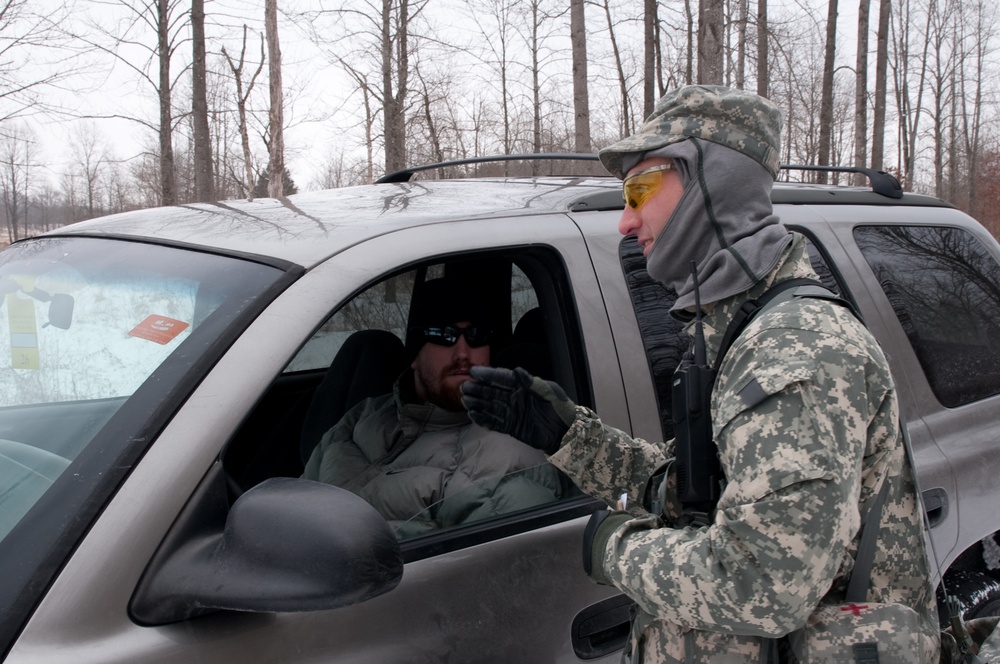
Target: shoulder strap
[
  {"x": 857, "y": 587},
  {"x": 751, "y": 308}
]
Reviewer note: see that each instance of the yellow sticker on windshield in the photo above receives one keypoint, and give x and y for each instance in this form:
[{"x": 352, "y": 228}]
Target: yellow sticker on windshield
[{"x": 23, "y": 333}]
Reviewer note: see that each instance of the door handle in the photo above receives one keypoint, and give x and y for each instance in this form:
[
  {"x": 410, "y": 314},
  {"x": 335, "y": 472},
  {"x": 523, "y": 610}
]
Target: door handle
[
  {"x": 603, "y": 628},
  {"x": 935, "y": 505}
]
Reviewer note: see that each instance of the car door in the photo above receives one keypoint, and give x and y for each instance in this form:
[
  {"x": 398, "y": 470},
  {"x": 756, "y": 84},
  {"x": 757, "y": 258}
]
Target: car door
[
  {"x": 507, "y": 591},
  {"x": 931, "y": 275}
]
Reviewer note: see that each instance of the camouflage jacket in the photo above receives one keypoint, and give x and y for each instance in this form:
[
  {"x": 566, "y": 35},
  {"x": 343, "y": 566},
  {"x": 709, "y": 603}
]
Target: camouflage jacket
[{"x": 803, "y": 463}]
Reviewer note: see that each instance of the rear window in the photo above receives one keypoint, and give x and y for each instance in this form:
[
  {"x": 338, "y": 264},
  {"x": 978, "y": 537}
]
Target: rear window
[{"x": 944, "y": 287}]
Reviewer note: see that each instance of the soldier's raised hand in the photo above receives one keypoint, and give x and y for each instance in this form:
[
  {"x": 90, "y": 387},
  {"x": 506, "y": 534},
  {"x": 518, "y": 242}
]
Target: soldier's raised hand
[{"x": 514, "y": 402}]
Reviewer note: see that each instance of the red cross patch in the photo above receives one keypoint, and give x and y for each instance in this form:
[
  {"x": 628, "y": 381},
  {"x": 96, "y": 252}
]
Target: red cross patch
[{"x": 856, "y": 609}]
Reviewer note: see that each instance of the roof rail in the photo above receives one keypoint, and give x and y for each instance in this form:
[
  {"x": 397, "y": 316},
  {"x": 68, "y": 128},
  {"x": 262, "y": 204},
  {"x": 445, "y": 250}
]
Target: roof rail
[
  {"x": 882, "y": 183},
  {"x": 407, "y": 173}
]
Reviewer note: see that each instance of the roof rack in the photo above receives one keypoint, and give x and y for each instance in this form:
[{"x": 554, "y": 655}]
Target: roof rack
[
  {"x": 882, "y": 183},
  {"x": 406, "y": 174}
]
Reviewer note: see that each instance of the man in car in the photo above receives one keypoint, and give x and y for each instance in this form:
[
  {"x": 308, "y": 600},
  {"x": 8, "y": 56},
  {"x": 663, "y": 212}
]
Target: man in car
[
  {"x": 414, "y": 454},
  {"x": 804, "y": 413}
]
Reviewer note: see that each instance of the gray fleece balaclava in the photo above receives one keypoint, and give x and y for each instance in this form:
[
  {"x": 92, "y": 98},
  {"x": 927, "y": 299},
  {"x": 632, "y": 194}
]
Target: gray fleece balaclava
[
  {"x": 725, "y": 144},
  {"x": 723, "y": 222}
]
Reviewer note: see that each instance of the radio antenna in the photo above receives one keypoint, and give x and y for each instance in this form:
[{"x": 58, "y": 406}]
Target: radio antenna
[{"x": 700, "y": 355}]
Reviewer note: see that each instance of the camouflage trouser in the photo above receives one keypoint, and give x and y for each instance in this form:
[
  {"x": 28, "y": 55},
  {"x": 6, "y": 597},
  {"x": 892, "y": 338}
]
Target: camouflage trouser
[{"x": 986, "y": 643}]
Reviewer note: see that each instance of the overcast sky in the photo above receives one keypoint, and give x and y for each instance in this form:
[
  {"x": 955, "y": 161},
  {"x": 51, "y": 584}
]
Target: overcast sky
[{"x": 314, "y": 88}]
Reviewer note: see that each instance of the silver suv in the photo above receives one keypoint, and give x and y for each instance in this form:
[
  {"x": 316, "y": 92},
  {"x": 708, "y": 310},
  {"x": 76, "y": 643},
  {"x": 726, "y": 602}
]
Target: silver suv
[{"x": 170, "y": 369}]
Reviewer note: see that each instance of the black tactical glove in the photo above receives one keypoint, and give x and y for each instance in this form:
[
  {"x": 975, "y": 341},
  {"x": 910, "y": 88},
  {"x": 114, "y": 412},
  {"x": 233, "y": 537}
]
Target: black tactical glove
[
  {"x": 534, "y": 411},
  {"x": 595, "y": 542}
]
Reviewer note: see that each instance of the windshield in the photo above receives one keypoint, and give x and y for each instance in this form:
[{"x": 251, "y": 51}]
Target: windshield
[{"x": 84, "y": 323}]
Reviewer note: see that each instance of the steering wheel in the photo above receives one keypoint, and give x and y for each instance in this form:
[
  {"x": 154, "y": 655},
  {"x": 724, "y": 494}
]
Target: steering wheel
[{"x": 26, "y": 472}]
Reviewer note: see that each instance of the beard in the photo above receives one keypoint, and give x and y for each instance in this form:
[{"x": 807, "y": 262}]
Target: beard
[{"x": 440, "y": 388}]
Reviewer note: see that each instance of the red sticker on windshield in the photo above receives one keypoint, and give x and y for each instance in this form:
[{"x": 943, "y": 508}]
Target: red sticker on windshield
[{"x": 160, "y": 329}]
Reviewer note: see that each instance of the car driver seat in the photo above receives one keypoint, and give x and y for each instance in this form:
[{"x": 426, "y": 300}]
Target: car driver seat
[
  {"x": 528, "y": 348},
  {"x": 366, "y": 366}
]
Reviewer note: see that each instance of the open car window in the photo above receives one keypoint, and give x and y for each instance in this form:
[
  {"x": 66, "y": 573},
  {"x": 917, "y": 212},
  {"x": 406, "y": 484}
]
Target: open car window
[{"x": 490, "y": 498}]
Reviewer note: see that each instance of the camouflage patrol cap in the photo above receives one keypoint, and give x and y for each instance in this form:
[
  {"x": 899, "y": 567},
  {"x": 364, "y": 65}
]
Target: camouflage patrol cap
[{"x": 737, "y": 119}]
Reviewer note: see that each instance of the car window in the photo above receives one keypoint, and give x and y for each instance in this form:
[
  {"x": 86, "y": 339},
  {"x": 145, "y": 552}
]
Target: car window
[
  {"x": 84, "y": 324},
  {"x": 333, "y": 416},
  {"x": 942, "y": 284},
  {"x": 385, "y": 306}
]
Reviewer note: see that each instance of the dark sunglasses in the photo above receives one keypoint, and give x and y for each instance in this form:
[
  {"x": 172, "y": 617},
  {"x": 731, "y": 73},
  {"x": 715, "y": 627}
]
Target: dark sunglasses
[{"x": 448, "y": 335}]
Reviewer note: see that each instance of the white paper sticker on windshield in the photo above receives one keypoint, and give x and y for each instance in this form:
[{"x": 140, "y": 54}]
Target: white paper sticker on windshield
[{"x": 23, "y": 333}]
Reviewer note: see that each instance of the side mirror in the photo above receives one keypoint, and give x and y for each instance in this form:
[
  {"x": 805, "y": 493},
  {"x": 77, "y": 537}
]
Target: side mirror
[{"x": 286, "y": 545}]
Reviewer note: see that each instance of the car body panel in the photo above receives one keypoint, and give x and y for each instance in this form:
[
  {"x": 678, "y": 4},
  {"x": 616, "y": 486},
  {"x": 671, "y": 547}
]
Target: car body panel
[{"x": 98, "y": 582}]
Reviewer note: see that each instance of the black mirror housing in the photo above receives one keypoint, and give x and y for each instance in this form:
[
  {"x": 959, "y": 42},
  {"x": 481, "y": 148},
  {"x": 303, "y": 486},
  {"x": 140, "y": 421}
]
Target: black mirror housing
[{"x": 287, "y": 545}]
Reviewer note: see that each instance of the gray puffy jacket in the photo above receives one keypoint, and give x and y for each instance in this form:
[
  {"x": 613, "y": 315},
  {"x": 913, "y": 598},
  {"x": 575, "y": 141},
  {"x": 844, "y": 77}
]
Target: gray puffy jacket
[{"x": 423, "y": 467}]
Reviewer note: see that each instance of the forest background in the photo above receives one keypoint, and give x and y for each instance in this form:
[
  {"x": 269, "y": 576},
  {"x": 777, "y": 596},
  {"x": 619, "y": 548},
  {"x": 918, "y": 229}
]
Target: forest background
[{"x": 112, "y": 105}]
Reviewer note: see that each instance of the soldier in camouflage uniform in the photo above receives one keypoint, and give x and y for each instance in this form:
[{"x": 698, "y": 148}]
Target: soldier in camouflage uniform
[{"x": 804, "y": 414}]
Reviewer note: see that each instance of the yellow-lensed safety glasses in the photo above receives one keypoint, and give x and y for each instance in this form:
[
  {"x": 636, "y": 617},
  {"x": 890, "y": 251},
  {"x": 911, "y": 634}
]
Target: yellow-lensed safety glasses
[{"x": 636, "y": 189}]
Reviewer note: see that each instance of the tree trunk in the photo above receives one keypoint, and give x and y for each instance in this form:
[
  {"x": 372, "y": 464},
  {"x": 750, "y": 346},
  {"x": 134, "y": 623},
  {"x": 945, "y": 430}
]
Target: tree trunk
[
  {"x": 204, "y": 182},
  {"x": 276, "y": 116},
  {"x": 763, "y": 76},
  {"x": 168, "y": 183},
  {"x": 861, "y": 94},
  {"x": 581, "y": 92},
  {"x": 395, "y": 83},
  {"x": 741, "y": 45},
  {"x": 626, "y": 125},
  {"x": 689, "y": 43},
  {"x": 826, "y": 102},
  {"x": 881, "y": 77},
  {"x": 710, "y": 46},
  {"x": 649, "y": 60},
  {"x": 241, "y": 107}
]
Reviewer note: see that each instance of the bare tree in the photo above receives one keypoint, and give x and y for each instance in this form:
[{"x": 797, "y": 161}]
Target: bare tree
[
  {"x": 981, "y": 21},
  {"x": 626, "y": 124},
  {"x": 242, "y": 95},
  {"x": 37, "y": 56},
  {"x": 164, "y": 49},
  {"x": 496, "y": 22},
  {"x": 881, "y": 78},
  {"x": 861, "y": 93},
  {"x": 763, "y": 74},
  {"x": 909, "y": 109},
  {"x": 122, "y": 40},
  {"x": 204, "y": 179},
  {"x": 16, "y": 164},
  {"x": 395, "y": 52},
  {"x": 739, "y": 77},
  {"x": 690, "y": 35},
  {"x": 89, "y": 159},
  {"x": 650, "y": 51},
  {"x": 373, "y": 42},
  {"x": 276, "y": 117},
  {"x": 581, "y": 88},
  {"x": 826, "y": 105},
  {"x": 711, "y": 16}
]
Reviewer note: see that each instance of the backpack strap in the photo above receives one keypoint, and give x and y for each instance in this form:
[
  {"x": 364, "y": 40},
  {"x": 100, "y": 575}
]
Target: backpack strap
[
  {"x": 804, "y": 287},
  {"x": 857, "y": 588}
]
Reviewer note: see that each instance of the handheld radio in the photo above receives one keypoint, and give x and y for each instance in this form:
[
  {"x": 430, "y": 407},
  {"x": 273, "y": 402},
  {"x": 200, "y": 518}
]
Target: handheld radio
[{"x": 699, "y": 474}]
